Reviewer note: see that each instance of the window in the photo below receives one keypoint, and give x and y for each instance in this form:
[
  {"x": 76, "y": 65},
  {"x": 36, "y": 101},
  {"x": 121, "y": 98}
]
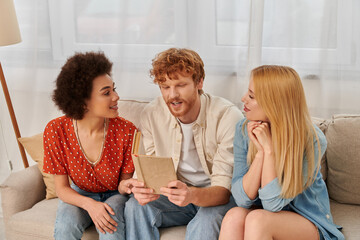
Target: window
[
  {"x": 220, "y": 30},
  {"x": 136, "y": 29}
]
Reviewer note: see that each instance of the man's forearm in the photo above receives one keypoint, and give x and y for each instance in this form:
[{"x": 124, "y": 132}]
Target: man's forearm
[{"x": 210, "y": 196}]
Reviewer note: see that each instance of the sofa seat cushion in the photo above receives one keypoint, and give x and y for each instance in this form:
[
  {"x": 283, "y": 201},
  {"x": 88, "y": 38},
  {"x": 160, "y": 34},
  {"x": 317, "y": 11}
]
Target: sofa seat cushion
[
  {"x": 347, "y": 216},
  {"x": 173, "y": 233},
  {"x": 38, "y": 222}
]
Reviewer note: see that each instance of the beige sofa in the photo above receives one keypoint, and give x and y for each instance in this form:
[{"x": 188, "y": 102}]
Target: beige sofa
[{"x": 29, "y": 215}]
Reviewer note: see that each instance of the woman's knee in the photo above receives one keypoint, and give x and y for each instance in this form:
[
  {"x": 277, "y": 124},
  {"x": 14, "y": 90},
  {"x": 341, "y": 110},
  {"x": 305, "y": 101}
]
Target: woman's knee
[
  {"x": 258, "y": 219},
  {"x": 235, "y": 216}
]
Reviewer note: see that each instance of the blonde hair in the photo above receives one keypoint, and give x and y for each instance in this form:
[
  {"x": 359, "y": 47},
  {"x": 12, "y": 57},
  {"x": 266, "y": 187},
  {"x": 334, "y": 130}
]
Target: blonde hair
[{"x": 279, "y": 92}]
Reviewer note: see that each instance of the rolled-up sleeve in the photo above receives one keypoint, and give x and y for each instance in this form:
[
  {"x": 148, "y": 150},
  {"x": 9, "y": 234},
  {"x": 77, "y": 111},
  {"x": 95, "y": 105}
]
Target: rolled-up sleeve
[
  {"x": 270, "y": 197},
  {"x": 223, "y": 160},
  {"x": 241, "y": 198}
]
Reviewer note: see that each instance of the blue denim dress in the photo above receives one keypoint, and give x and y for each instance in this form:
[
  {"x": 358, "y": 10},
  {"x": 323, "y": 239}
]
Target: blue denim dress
[{"x": 312, "y": 203}]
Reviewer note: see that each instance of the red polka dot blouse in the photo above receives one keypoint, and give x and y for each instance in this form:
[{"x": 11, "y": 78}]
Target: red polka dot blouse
[{"x": 63, "y": 156}]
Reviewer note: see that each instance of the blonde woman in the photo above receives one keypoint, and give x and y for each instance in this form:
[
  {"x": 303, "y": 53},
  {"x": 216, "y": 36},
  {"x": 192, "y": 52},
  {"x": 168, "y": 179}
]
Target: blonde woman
[{"x": 276, "y": 183}]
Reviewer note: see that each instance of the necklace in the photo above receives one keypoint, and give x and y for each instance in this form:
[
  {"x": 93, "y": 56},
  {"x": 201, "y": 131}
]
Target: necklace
[{"x": 81, "y": 148}]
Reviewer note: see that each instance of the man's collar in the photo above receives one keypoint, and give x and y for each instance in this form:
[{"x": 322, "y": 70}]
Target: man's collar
[{"x": 201, "y": 119}]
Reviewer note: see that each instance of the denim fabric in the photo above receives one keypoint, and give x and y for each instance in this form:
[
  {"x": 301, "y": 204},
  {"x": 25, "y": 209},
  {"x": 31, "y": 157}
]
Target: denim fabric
[
  {"x": 71, "y": 221},
  {"x": 142, "y": 222},
  {"x": 312, "y": 203}
]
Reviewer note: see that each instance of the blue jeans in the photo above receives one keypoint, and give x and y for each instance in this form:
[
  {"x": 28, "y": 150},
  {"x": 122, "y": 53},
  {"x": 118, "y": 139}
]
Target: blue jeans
[
  {"x": 71, "y": 221},
  {"x": 142, "y": 222}
]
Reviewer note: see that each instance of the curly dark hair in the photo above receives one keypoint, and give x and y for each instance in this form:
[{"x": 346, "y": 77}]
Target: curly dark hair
[
  {"x": 75, "y": 81},
  {"x": 176, "y": 61}
]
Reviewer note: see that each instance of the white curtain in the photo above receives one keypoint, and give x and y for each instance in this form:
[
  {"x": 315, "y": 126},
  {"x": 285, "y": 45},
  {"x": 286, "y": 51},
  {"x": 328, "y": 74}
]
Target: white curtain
[{"x": 320, "y": 39}]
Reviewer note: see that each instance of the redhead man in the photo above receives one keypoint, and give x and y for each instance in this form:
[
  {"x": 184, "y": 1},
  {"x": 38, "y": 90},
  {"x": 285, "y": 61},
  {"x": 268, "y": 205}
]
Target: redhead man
[{"x": 197, "y": 131}]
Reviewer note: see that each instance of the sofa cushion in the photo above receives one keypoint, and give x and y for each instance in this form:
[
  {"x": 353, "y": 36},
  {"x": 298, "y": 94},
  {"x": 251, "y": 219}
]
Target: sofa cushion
[
  {"x": 173, "y": 233},
  {"x": 343, "y": 158},
  {"x": 347, "y": 216},
  {"x": 38, "y": 223},
  {"x": 35, "y": 148},
  {"x": 21, "y": 190}
]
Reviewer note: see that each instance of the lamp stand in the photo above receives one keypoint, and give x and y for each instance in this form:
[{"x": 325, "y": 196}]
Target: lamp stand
[{"x": 13, "y": 118}]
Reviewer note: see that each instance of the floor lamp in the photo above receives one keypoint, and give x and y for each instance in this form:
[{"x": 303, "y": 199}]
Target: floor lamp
[{"x": 10, "y": 34}]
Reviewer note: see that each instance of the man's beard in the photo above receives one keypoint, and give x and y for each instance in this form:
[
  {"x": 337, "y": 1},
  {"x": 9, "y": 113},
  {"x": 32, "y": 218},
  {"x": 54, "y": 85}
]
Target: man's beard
[{"x": 186, "y": 106}]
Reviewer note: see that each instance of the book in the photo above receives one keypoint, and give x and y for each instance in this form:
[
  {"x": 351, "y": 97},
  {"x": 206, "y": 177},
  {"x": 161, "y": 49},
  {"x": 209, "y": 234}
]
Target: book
[{"x": 154, "y": 171}]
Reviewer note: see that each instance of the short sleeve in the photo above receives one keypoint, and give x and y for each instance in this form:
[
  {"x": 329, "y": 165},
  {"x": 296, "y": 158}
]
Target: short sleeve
[
  {"x": 53, "y": 157},
  {"x": 128, "y": 165}
]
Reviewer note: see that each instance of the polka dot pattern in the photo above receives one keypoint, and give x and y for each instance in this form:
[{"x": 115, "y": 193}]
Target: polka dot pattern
[{"x": 62, "y": 154}]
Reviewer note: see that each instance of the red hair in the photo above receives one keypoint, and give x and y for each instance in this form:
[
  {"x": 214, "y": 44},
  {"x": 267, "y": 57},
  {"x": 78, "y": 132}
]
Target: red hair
[{"x": 176, "y": 61}]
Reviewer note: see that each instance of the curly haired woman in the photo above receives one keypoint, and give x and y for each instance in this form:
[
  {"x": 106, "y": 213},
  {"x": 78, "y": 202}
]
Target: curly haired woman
[{"x": 91, "y": 145}]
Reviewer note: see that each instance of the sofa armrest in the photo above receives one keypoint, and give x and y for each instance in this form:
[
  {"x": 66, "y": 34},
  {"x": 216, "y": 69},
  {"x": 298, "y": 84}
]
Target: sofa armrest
[{"x": 22, "y": 190}]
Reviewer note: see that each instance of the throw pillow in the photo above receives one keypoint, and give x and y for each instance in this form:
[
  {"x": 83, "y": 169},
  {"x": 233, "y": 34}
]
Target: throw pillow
[
  {"x": 343, "y": 158},
  {"x": 34, "y": 146}
]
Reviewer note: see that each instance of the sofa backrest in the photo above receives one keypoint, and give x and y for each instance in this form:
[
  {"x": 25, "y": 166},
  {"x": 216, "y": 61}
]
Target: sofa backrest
[
  {"x": 130, "y": 110},
  {"x": 340, "y": 165}
]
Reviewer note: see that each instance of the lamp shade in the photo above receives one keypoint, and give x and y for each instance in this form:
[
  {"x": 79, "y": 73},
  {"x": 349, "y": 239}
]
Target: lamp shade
[{"x": 9, "y": 27}]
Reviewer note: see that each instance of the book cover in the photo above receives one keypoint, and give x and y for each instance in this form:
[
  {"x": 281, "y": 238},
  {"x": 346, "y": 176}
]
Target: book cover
[{"x": 154, "y": 171}]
